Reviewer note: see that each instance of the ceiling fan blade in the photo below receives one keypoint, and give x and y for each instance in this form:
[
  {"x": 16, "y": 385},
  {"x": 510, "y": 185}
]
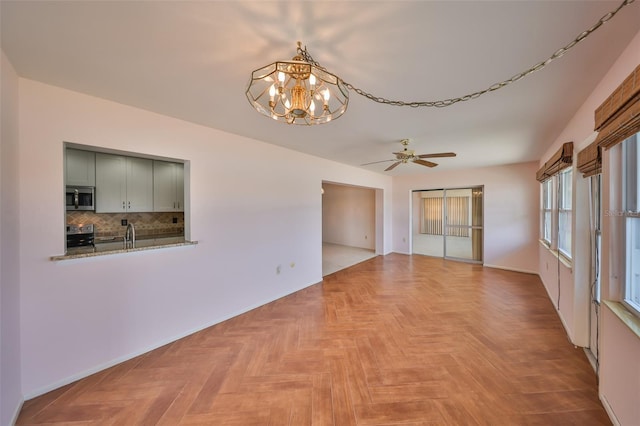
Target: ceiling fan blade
[
  {"x": 376, "y": 162},
  {"x": 425, "y": 163},
  {"x": 439, "y": 154},
  {"x": 391, "y": 167}
]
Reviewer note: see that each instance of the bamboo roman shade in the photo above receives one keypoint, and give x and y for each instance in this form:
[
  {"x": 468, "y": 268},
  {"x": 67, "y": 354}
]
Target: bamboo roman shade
[
  {"x": 590, "y": 160},
  {"x": 619, "y": 116},
  {"x": 562, "y": 159}
]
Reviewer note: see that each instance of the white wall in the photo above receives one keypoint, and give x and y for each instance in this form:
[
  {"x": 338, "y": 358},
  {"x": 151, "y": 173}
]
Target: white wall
[
  {"x": 619, "y": 351},
  {"x": 620, "y": 370},
  {"x": 10, "y": 387},
  {"x": 261, "y": 210},
  {"x": 511, "y": 207},
  {"x": 348, "y": 216}
]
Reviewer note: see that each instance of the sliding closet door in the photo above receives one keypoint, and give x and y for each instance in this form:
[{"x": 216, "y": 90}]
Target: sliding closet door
[
  {"x": 428, "y": 226},
  {"x": 463, "y": 233}
]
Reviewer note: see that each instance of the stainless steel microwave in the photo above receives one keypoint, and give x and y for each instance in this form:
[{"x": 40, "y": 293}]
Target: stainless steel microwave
[{"x": 80, "y": 198}]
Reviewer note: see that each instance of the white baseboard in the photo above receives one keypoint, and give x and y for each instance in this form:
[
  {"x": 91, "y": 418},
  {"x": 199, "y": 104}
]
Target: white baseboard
[
  {"x": 118, "y": 360},
  {"x": 507, "y": 268},
  {"x": 609, "y": 411},
  {"x": 552, "y": 299},
  {"x": 592, "y": 359},
  {"x": 16, "y": 413}
]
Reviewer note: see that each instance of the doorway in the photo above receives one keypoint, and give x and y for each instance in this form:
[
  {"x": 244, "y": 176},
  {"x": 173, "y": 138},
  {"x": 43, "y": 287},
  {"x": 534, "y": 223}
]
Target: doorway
[
  {"x": 448, "y": 223},
  {"x": 350, "y": 224}
]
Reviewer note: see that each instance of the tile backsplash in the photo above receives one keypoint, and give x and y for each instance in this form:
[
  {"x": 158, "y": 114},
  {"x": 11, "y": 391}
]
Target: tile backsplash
[{"x": 109, "y": 224}]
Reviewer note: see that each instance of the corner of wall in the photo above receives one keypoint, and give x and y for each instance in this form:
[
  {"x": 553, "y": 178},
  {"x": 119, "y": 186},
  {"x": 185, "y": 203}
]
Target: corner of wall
[{"x": 10, "y": 361}]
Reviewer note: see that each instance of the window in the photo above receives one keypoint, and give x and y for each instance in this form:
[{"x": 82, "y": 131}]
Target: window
[
  {"x": 557, "y": 212},
  {"x": 547, "y": 197},
  {"x": 631, "y": 294},
  {"x": 564, "y": 212}
]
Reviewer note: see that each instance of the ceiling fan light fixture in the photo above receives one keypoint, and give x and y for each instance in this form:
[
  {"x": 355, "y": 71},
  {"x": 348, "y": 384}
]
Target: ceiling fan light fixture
[
  {"x": 408, "y": 155},
  {"x": 297, "y": 92}
]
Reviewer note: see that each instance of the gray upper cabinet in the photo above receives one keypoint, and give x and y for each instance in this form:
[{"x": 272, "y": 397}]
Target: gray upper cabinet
[
  {"x": 168, "y": 186},
  {"x": 123, "y": 184},
  {"x": 80, "y": 167}
]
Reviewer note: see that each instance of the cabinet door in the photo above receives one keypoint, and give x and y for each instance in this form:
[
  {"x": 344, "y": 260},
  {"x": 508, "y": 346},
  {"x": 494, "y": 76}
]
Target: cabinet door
[
  {"x": 168, "y": 186},
  {"x": 80, "y": 167},
  {"x": 164, "y": 186},
  {"x": 139, "y": 185},
  {"x": 111, "y": 183}
]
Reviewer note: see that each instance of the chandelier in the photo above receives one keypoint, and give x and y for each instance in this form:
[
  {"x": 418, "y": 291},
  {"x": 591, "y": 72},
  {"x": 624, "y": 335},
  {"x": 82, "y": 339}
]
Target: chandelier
[
  {"x": 300, "y": 91},
  {"x": 297, "y": 92}
]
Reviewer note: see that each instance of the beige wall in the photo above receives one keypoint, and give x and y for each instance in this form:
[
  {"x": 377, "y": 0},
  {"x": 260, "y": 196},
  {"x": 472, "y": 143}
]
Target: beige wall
[{"x": 348, "y": 216}]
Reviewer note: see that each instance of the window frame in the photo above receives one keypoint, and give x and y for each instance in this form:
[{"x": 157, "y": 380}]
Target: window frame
[
  {"x": 552, "y": 204},
  {"x": 596, "y": 217},
  {"x": 631, "y": 206},
  {"x": 547, "y": 208},
  {"x": 565, "y": 207}
]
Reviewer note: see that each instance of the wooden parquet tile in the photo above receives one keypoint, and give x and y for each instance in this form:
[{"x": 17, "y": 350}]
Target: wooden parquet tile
[{"x": 395, "y": 340}]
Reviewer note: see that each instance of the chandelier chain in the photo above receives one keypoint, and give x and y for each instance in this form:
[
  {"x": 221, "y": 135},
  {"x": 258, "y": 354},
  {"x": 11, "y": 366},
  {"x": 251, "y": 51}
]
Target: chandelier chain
[{"x": 448, "y": 102}]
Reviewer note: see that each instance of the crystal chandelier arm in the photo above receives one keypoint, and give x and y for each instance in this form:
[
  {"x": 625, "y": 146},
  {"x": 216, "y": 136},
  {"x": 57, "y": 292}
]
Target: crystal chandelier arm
[{"x": 448, "y": 102}]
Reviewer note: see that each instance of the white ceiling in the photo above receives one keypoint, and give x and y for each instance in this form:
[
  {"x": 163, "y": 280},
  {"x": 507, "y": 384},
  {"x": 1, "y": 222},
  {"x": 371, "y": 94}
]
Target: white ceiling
[{"x": 192, "y": 60}]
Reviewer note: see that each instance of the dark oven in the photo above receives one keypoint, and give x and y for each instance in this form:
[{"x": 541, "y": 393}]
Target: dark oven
[{"x": 80, "y": 236}]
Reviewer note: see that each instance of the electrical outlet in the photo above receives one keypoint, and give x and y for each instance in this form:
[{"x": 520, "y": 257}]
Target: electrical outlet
[
  {"x": 124, "y": 222},
  {"x": 175, "y": 220}
]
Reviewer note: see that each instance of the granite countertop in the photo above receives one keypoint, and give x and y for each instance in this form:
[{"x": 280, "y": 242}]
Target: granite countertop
[{"x": 113, "y": 245}]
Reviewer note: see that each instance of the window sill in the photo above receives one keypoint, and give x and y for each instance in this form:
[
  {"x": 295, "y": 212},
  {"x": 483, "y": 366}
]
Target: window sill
[
  {"x": 563, "y": 259},
  {"x": 630, "y": 320},
  {"x": 545, "y": 244}
]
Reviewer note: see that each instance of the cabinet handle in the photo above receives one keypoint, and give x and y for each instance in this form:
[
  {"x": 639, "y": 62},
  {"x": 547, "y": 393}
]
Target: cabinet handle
[
  {"x": 174, "y": 204},
  {"x": 123, "y": 206}
]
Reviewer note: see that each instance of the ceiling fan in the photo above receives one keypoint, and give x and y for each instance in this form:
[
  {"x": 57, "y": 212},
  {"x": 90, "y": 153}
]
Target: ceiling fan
[{"x": 407, "y": 155}]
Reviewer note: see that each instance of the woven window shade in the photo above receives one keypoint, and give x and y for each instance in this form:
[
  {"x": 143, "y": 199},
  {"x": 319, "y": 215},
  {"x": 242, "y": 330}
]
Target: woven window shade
[
  {"x": 619, "y": 116},
  {"x": 562, "y": 159},
  {"x": 590, "y": 160}
]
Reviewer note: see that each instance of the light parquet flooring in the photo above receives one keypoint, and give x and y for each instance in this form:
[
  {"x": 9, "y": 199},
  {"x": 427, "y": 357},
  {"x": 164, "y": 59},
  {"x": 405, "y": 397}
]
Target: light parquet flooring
[{"x": 395, "y": 340}]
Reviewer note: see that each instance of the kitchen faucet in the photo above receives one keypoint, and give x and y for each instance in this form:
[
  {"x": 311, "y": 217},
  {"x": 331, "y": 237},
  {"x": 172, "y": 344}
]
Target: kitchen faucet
[{"x": 130, "y": 237}]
